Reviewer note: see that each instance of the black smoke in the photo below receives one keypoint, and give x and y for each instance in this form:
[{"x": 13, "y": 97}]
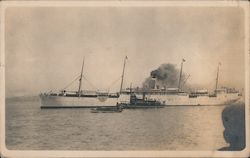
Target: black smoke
[{"x": 166, "y": 75}]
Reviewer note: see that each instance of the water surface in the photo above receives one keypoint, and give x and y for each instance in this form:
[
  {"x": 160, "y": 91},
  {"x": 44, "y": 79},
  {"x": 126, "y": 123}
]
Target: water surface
[{"x": 171, "y": 128}]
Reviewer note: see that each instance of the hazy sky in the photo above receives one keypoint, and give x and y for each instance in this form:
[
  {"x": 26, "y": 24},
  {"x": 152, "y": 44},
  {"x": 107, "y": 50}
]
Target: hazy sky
[{"x": 45, "y": 46}]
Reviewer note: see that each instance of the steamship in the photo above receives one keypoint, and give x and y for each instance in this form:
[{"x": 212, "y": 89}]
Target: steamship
[
  {"x": 81, "y": 98},
  {"x": 177, "y": 97},
  {"x": 163, "y": 96}
]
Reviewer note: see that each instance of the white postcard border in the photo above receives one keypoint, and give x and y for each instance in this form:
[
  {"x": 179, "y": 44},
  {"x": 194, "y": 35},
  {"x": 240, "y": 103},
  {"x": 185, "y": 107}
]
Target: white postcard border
[{"x": 74, "y": 153}]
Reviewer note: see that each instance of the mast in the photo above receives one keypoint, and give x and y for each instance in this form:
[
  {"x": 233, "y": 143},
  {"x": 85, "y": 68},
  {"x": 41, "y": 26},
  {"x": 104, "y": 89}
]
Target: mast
[
  {"x": 179, "y": 85},
  {"x": 217, "y": 77},
  {"x": 130, "y": 88},
  {"x": 80, "y": 80},
  {"x": 184, "y": 82},
  {"x": 124, "y": 64}
]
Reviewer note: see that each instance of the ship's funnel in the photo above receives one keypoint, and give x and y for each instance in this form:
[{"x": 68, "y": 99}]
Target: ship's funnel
[
  {"x": 152, "y": 83},
  {"x": 166, "y": 75}
]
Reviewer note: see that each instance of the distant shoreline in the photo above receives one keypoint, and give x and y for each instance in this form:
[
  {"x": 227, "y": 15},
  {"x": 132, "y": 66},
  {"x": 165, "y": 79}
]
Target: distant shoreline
[{"x": 23, "y": 98}]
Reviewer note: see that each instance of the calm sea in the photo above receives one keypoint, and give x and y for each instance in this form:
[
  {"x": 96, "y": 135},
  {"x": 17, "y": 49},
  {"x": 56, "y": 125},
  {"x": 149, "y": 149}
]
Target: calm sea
[{"x": 171, "y": 128}]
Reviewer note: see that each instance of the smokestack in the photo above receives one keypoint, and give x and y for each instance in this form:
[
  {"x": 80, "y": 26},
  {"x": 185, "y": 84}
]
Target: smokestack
[
  {"x": 166, "y": 75},
  {"x": 152, "y": 83}
]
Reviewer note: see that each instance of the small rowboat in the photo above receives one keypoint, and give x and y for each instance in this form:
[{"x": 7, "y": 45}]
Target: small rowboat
[{"x": 109, "y": 109}]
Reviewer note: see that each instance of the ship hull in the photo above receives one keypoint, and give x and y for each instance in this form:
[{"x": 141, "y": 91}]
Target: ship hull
[
  {"x": 48, "y": 101},
  {"x": 185, "y": 100}
]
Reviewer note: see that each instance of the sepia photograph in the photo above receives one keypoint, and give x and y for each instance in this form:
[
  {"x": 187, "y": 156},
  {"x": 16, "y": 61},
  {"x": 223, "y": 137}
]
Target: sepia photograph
[{"x": 125, "y": 77}]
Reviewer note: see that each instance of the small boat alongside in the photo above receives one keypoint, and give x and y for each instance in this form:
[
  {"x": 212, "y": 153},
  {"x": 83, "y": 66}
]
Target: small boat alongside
[
  {"x": 143, "y": 102},
  {"x": 108, "y": 109}
]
